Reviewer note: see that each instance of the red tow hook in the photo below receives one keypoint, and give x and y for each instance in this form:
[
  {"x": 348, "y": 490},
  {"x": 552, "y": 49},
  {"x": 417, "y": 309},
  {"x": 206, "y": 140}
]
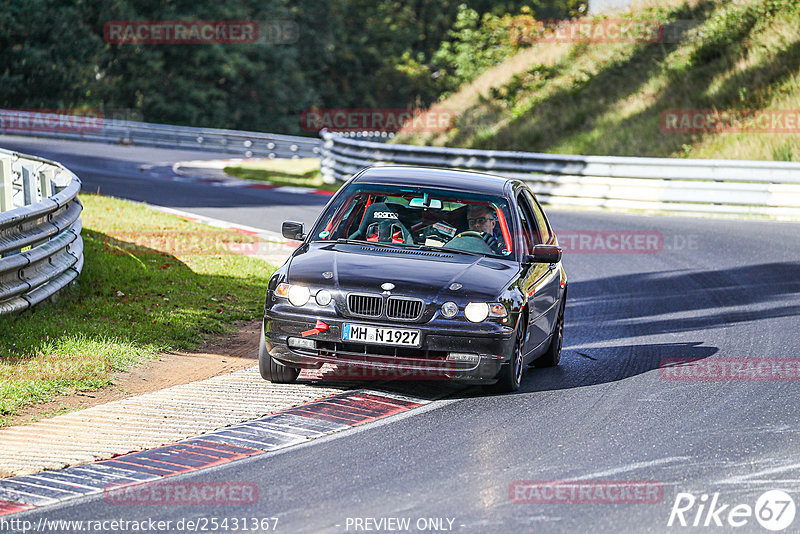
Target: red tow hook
[{"x": 319, "y": 327}]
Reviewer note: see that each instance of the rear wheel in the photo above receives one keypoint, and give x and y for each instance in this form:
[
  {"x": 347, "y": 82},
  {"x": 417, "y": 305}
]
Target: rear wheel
[
  {"x": 272, "y": 370},
  {"x": 553, "y": 354},
  {"x": 510, "y": 375}
]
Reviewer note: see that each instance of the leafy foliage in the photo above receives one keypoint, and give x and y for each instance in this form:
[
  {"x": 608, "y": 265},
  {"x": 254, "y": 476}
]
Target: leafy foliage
[{"x": 350, "y": 53}]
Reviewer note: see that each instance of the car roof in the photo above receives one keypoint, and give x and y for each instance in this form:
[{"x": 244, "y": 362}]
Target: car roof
[{"x": 476, "y": 182}]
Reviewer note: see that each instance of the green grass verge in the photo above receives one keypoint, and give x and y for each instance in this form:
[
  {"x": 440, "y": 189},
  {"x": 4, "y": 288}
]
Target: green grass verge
[
  {"x": 303, "y": 172},
  {"x": 608, "y": 98},
  {"x": 152, "y": 282}
]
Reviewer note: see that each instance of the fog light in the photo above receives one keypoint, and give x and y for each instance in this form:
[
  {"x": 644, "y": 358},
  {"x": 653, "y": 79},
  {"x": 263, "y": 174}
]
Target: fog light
[
  {"x": 463, "y": 357},
  {"x": 302, "y": 343},
  {"x": 449, "y": 309}
]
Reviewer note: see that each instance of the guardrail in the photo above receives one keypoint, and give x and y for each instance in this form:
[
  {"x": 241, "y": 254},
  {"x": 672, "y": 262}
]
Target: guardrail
[
  {"x": 661, "y": 184},
  {"x": 99, "y": 129},
  {"x": 41, "y": 250}
]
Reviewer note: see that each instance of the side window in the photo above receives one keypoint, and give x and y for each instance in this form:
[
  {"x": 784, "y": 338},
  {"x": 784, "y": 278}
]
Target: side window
[
  {"x": 526, "y": 220},
  {"x": 541, "y": 222}
]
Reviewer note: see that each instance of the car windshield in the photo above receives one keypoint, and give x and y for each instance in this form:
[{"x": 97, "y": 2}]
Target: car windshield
[{"x": 421, "y": 217}]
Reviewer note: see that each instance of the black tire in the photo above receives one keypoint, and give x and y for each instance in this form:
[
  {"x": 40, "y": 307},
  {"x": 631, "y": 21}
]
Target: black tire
[
  {"x": 510, "y": 376},
  {"x": 272, "y": 370},
  {"x": 552, "y": 357}
]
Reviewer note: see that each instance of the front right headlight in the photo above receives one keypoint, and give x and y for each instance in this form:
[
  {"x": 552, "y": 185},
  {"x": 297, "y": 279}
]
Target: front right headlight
[
  {"x": 323, "y": 297},
  {"x": 297, "y": 295}
]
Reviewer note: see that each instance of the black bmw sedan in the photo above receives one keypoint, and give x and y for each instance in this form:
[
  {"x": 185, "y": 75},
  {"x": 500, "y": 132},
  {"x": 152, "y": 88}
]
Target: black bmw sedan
[{"x": 419, "y": 273}]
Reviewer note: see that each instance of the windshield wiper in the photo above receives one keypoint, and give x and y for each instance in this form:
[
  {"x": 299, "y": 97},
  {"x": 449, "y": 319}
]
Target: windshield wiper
[
  {"x": 345, "y": 241},
  {"x": 427, "y": 248},
  {"x": 445, "y": 249}
]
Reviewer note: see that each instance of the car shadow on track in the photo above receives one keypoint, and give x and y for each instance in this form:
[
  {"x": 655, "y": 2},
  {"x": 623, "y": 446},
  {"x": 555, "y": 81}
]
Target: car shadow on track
[
  {"x": 590, "y": 367},
  {"x": 682, "y": 301}
]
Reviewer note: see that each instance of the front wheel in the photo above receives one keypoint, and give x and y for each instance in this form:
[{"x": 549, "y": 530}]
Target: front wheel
[
  {"x": 510, "y": 375},
  {"x": 272, "y": 370}
]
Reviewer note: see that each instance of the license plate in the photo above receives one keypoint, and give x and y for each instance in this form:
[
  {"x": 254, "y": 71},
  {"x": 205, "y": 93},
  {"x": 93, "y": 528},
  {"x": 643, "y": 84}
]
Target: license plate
[{"x": 380, "y": 335}]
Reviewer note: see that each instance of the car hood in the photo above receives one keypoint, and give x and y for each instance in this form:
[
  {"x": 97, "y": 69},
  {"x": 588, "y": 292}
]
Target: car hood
[{"x": 355, "y": 267}]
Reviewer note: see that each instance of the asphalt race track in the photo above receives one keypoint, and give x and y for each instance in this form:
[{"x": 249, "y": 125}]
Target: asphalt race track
[{"x": 713, "y": 289}]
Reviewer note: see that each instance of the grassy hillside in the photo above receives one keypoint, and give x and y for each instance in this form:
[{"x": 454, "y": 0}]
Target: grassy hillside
[{"x": 607, "y": 98}]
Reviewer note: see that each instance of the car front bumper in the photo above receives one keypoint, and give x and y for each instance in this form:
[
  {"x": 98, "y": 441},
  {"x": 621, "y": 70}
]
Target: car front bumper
[{"x": 490, "y": 343}]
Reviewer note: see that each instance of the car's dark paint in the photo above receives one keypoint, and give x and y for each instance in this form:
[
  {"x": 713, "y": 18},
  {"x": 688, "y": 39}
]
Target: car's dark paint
[
  {"x": 475, "y": 182},
  {"x": 531, "y": 291},
  {"x": 545, "y": 254},
  {"x": 354, "y": 266}
]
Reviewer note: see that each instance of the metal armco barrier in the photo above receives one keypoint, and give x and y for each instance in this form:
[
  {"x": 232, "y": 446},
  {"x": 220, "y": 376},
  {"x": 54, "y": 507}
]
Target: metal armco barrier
[
  {"x": 662, "y": 184},
  {"x": 41, "y": 250},
  {"x": 99, "y": 129}
]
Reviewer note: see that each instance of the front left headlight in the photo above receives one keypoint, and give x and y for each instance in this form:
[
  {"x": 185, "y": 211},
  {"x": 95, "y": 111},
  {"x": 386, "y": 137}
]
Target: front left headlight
[
  {"x": 449, "y": 309},
  {"x": 476, "y": 311},
  {"x": 479, "y": 311}
]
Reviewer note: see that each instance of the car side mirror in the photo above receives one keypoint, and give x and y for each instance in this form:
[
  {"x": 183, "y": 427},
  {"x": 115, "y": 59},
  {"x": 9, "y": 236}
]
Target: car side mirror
[
  {"x": 545, "y": 254},
  {"x": 293, "y": 230}
]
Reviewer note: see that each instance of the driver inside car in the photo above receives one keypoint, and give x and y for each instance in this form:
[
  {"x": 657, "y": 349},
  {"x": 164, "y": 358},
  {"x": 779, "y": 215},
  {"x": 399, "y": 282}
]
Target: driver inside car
[{"x": 482, "y": 219}]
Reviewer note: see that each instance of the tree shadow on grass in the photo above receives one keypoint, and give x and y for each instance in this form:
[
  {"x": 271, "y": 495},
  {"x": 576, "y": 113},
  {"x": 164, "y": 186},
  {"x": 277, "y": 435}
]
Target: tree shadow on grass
[
  {"x": 570, "y": 114},
  {"x": 132, "y": 299},
  {"x": 758, "y": 79},
  {"x": 557, "y": 117}
]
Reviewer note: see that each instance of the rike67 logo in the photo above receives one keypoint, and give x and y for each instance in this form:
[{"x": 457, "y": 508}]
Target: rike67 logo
[{"x": 774, "y": 510}]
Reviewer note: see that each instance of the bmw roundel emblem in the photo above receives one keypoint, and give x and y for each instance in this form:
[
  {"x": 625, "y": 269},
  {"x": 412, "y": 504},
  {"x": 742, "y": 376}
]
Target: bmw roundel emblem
[{"x": 387, "y": 286}]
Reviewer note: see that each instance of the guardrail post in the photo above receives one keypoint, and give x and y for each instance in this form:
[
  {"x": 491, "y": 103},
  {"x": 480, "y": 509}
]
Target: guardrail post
[
  {"x": 6, "y": 185},
  {"x": 29, "y": 190},
  {"x": 46, "y": 182}
]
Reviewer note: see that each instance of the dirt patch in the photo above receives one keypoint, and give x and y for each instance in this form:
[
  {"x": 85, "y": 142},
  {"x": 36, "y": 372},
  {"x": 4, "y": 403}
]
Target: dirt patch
[{"x": 219, "y": 357}]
